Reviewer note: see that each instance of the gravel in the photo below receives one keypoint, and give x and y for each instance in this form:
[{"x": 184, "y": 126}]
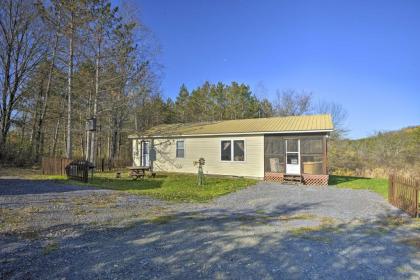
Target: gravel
[{"x": 266, "y": 231}]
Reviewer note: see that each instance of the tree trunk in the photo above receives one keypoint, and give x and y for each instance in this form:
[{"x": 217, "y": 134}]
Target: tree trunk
[
  {"x": 5, "y": 93},
  {"x": 38, "y": 134},
  {"x": 88, "y": 133},
  {"x": 69, "y": 147},
  {"x": 95, "y": 102},
  {"x": 55, "y": 138}
]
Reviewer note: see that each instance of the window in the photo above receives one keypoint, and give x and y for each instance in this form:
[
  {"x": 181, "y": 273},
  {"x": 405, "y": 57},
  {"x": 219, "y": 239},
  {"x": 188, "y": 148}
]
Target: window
[
  {"x": 235, "y": 154},
  {"x": 312, "y": 149},
  {"x": 292, "y": 145},
  {"x": 226, "y": 150},
  {"x": 238, "y": 150},
  {"x": 180, "y": 149},
  {"x": 275, "y": 154},
  {"x": 312, "y": 146}
]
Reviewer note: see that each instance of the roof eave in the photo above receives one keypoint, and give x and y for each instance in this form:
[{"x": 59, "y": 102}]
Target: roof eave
[{"x": 231, "y": 133}]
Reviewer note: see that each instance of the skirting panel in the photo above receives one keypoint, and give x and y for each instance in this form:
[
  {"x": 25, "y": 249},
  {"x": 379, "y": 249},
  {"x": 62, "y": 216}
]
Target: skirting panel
[
  {"x": 307, "y": 179},
  {"x": 273, "y": 176},
  {"x": 315, "y": 180}
]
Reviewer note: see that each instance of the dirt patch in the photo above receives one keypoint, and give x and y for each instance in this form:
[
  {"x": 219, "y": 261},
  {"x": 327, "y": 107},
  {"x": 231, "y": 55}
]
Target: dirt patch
[{"x": 413, "y": 242}]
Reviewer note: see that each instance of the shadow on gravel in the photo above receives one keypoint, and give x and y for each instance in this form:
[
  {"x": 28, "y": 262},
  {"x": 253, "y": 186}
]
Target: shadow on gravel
[
  {"x": 225, "y": 244},
  {"x": 25, "y": 186}
]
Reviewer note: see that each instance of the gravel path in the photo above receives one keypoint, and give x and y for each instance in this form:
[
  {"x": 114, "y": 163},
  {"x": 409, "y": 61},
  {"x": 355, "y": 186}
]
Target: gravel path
[{"x": 263, "y": 232}]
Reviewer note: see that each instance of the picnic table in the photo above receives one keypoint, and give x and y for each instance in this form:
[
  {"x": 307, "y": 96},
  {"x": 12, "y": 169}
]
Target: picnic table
[{"x": 139, "y": 171}]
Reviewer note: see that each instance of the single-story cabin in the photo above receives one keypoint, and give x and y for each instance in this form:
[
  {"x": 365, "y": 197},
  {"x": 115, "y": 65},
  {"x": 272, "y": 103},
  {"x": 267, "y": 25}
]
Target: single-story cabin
[{"x": 275, "y": 149}]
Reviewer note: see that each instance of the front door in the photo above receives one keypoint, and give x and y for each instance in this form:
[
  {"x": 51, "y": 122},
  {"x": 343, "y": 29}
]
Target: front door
[
  {"x": 293, "y": 156},
  {"x": 145, "y": 153}
]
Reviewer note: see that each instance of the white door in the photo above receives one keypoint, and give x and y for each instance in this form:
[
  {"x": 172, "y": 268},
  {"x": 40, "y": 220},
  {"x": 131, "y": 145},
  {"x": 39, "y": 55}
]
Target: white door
[
  {"x": 293, "y": 156},
  {"x": 145, "y": 154}
]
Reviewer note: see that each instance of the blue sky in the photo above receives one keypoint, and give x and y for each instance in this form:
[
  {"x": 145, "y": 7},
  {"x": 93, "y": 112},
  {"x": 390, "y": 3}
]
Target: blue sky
[{"x": 364, "y": 55}]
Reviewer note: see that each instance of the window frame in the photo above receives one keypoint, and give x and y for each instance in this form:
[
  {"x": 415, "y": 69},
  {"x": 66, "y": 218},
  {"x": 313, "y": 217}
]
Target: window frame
[
  {"x": 232, "y": 150},
  {"x": 176, "y": 148}
]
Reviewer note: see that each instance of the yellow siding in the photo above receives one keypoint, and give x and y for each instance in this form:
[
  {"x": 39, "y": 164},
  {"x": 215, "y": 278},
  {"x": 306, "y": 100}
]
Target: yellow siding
[
  {"x": 136, "y": 152},
  {"x": 209, "y": 148}
]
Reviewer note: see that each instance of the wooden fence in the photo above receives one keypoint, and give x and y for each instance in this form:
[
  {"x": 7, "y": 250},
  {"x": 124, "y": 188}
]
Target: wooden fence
[
  {"x": 54, "y": 166},
  {"x": 403, "y": 193}
]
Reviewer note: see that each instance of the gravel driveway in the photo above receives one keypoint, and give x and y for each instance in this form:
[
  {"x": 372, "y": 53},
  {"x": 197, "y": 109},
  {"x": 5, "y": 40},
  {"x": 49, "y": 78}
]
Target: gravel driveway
[{"x": 266, "y": 231}]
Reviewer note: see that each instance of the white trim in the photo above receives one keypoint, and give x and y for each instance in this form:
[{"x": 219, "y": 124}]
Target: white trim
[
  {"x": 299, "y": 158},
  {"x": 176, "y": 148},
  {"x": 233, "y": 133},
  {"x": 142, "y": 144},
  {"x": 232, "y": 152}
]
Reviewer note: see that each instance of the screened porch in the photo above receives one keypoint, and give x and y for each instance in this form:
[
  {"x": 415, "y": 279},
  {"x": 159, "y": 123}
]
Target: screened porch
[{"x": 295, "y": 155}]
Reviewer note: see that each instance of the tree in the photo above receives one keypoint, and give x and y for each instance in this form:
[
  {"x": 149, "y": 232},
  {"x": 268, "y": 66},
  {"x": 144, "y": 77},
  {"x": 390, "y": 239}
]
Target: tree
[
  {"x": 265, "y": 109},
  {"x": 94, "y": 60},
  {"x": 181, "y": 104},
  {"x": 338, "y": 114},
  {"x": 68, "y": 17},
  {"x": 292, "y": 103},
  {"x": 104, "y": 20},
  {"x": 21, "y": 50}
]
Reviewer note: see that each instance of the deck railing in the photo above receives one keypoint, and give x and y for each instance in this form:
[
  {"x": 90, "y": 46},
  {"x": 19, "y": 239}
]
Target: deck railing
[{"x": 403, "y": 193}]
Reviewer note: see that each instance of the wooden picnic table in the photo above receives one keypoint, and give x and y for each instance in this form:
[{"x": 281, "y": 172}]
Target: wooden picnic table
[{"x": 139, "y": 171}]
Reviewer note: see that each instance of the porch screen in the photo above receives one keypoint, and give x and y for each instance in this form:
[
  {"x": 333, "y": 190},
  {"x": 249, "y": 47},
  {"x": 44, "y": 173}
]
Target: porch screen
[
  {"x": 312, "y": 150},
  {"x": 274, "y": 154}
]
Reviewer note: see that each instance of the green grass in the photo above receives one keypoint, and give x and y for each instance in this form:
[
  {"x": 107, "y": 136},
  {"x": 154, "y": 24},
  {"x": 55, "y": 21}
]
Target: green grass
[
  {"x": 162, "y": 219},
  {"x": 170, "y": 186},
  {"x": 50, "y": 247},
  {"x": 379, "y": 186}
]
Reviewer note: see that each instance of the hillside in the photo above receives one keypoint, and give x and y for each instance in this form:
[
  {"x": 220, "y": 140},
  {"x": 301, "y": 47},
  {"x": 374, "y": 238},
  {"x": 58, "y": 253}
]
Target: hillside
[{"x": 378, "y": 155}]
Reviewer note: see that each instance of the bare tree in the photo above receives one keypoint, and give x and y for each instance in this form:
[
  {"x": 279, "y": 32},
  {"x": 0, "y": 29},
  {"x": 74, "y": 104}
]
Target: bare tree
[
  {"x": 292, "y": 103},
  {"x": 21, "y": 49},
  {"x": 338, "y": 115}
]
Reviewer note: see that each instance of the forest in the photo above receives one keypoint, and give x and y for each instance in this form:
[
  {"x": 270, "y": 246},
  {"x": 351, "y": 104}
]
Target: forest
[
  {"x": 63, "y": 63},
  {"x": 378, "y": 155}
]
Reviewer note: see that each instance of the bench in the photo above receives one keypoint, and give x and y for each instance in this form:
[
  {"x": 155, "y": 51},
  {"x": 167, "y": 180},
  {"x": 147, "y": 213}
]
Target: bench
[{"x": 140, "y": 172}]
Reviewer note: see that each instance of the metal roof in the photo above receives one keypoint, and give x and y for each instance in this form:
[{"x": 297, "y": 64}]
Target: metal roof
[{"x": 291, "y": 124}]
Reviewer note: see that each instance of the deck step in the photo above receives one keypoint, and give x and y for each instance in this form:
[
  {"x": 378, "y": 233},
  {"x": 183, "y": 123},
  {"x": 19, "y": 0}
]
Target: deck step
[{"x": 293, "y": 178}]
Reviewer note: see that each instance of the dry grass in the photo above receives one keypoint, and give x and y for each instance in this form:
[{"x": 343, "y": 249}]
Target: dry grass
[
  {"x": 16, "y": 219},
  {"x": 393, "y": 221},
  {"x": 304, "y": 216},
  {"x": 50, "y": 247},
  {"x": 326, "y": 224},
  {"x": 162, "y": 219},
  {"x": 96, "y": 201},
  {"x": 19, "y": 172},
  {"x": 413, "y": 242}
]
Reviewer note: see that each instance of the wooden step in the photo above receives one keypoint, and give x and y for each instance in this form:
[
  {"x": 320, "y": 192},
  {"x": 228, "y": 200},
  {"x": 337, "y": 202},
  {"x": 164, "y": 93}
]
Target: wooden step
[{"x": 292, "y": 178}]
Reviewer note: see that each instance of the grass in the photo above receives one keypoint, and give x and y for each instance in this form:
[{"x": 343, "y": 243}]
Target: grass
[
  {"x": 162, "y": 219},
  {"x": 50, "y": 247},
  {"x": 414, "y": 242},
  {"x": 168, "y": 186},
  {"x": 327, "y": 224},
  {"x": 18, "y": 172},
  {"x": 379, "y": 186}
]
